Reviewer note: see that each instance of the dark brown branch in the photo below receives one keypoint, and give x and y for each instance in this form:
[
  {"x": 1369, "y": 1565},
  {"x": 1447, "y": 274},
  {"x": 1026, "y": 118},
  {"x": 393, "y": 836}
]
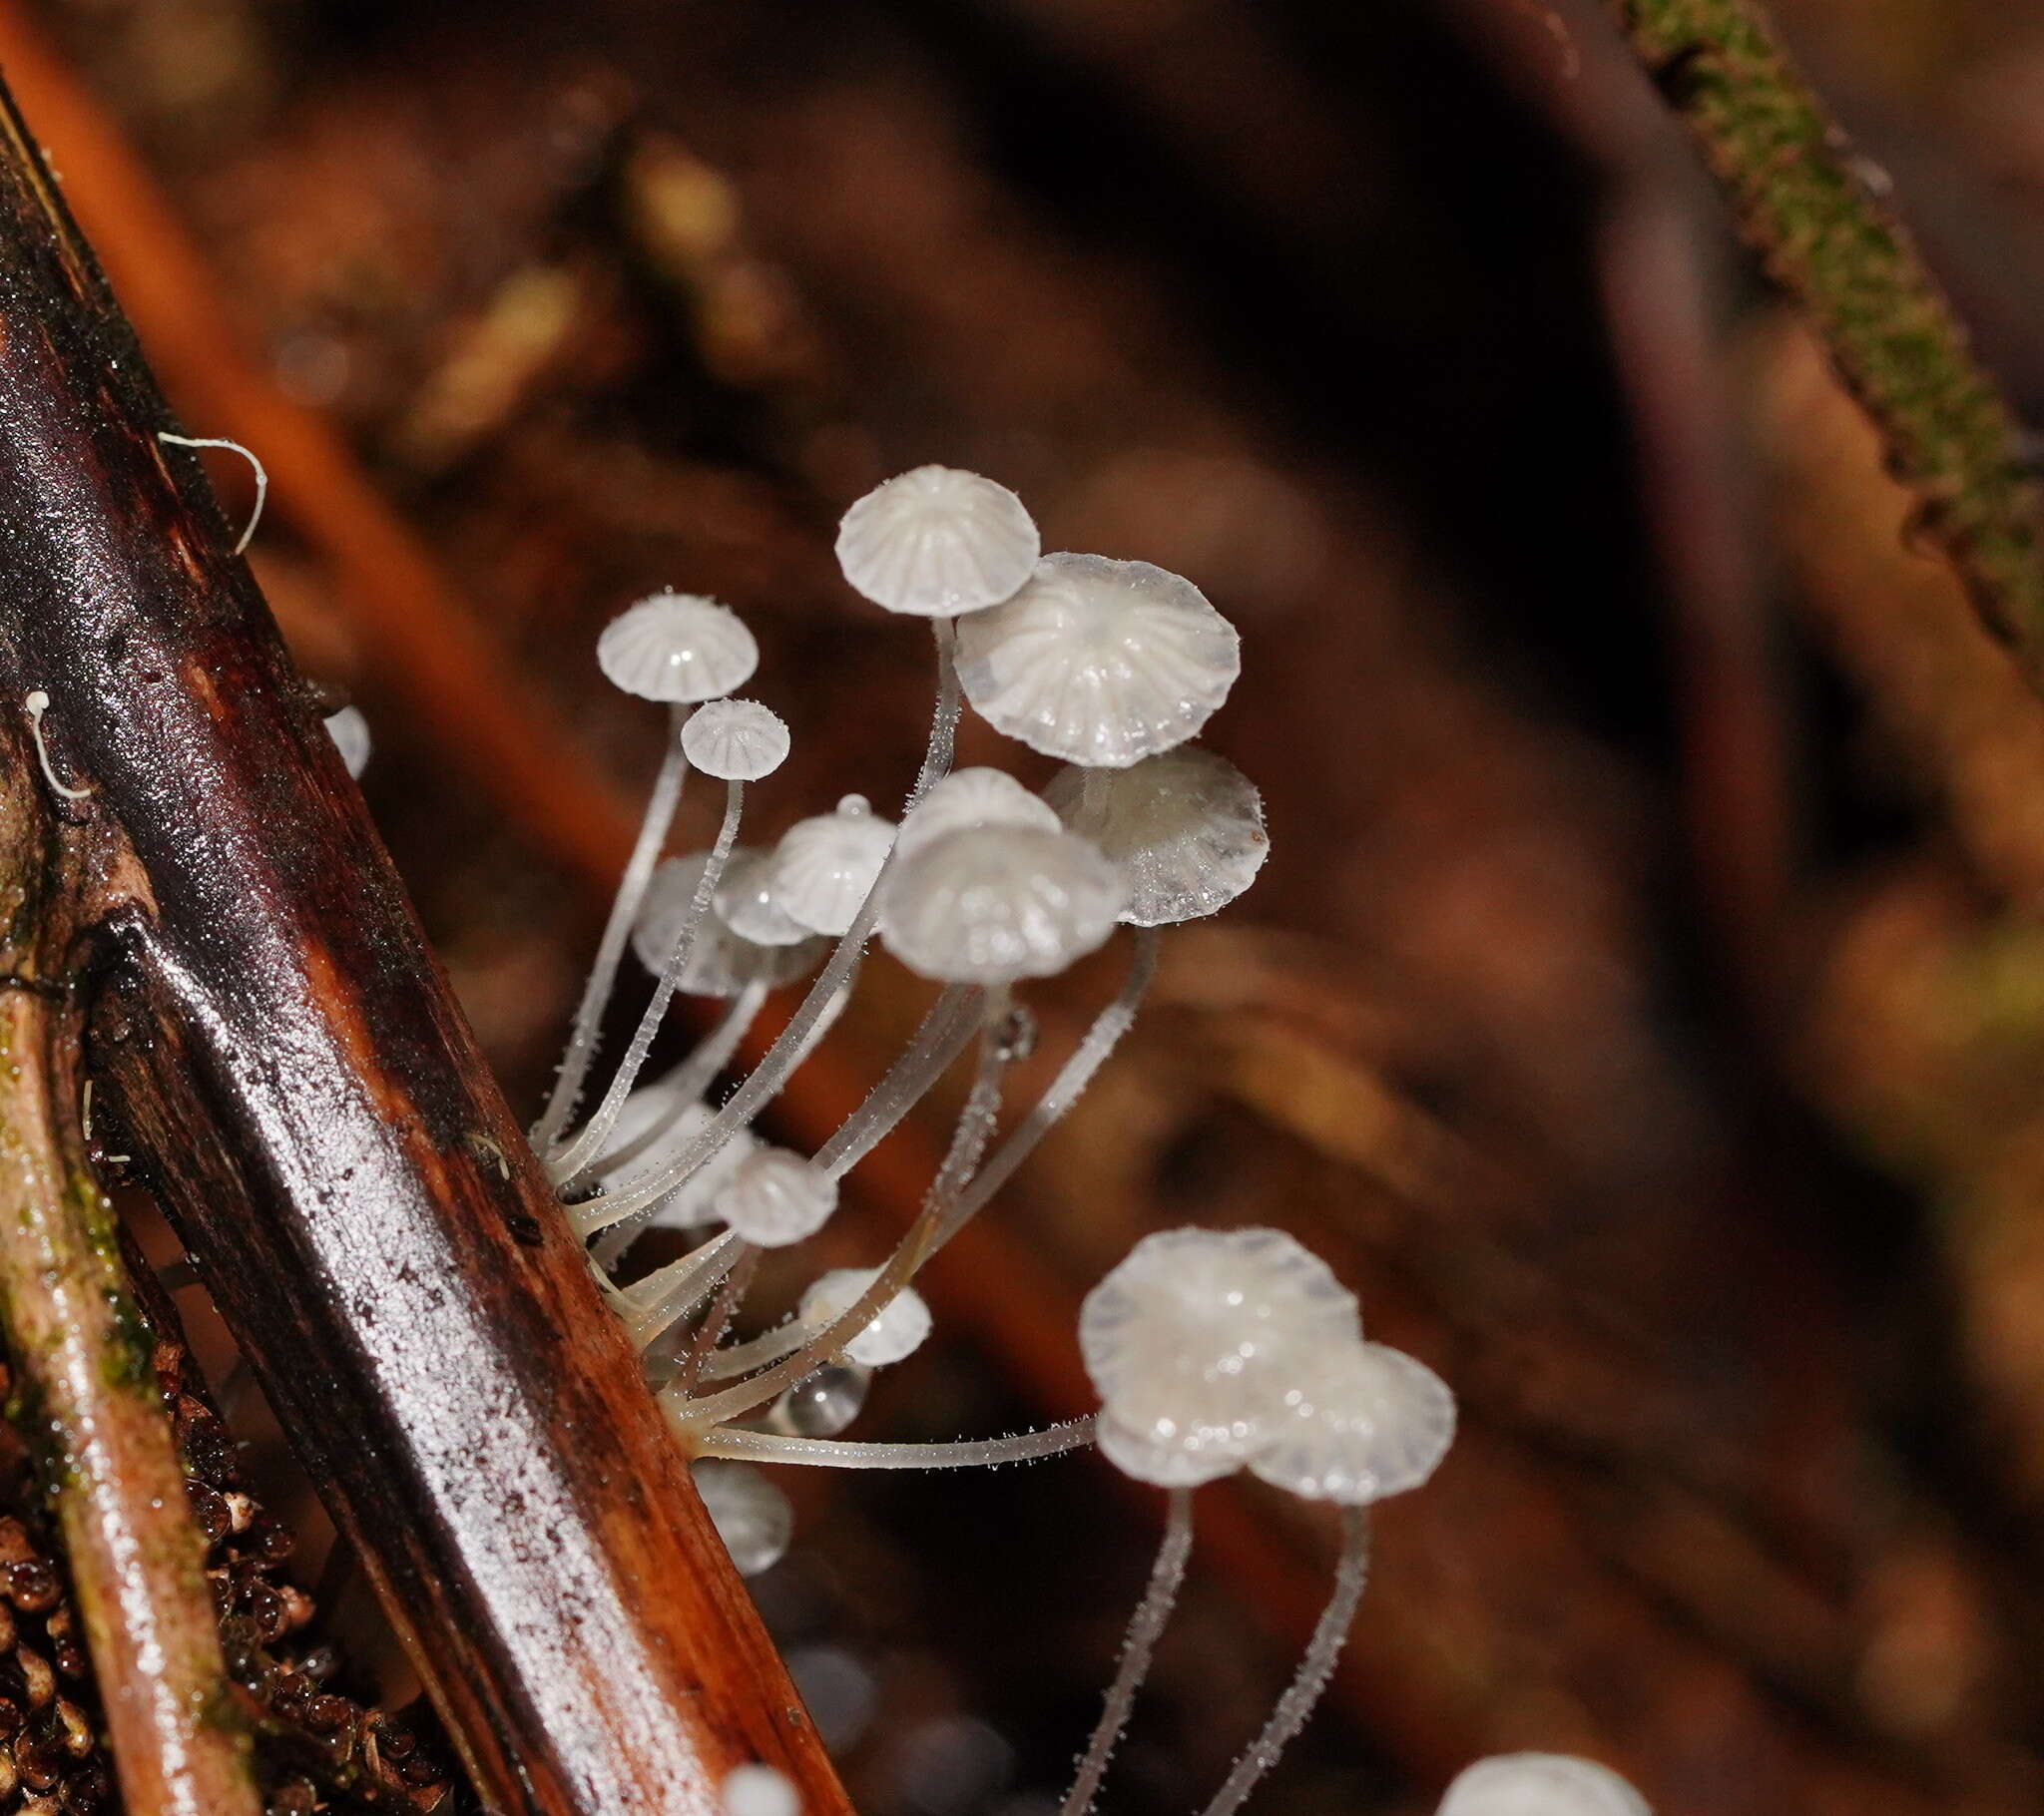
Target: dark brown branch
[{"x": 285, "y": 1057}]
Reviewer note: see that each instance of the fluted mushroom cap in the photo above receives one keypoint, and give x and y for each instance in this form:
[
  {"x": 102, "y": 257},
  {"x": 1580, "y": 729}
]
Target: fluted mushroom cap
[
  {"x": 747, "y": 904},
  {"x": 1185, "y": 829},
  {"x": 824, "y": 866},
  {"x": 774, "y": 1197},
  {"x": 1361, "y": 1422},
  {"x": 937, "y": 542},
  {"x": 896, "y": 1332},
  {"x": 1099, "y": 661},
  {"x": 1541, "y": 1784},
  {"x": 754, "y": 1519},
  {"x": 1195, "y": 1338},
  {"x": 720, "y": 963},
  {"x": 972, "y": 798},
  {"x": 991, "y": 904},
  {"x": 736, "y": 740},
  {"x": 676, "y": 646},
  {"x": 350, "y": 734}
]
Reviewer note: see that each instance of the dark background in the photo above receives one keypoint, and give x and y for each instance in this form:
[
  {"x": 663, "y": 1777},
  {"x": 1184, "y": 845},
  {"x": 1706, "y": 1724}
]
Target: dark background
[{"x": 1641, "y": 1005}]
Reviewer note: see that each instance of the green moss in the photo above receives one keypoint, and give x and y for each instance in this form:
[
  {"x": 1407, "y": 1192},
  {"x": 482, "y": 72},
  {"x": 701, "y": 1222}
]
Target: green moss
[{"x": 1809, "y": 205}]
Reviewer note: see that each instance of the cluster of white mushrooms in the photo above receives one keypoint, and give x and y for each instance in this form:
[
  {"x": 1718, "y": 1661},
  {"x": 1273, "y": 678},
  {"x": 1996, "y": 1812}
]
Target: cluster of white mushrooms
[{"x": 1211, "y": 1352}]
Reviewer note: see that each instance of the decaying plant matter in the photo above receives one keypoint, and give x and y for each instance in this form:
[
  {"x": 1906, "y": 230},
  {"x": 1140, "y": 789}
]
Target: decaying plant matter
[{"x": 192, "y": 870}]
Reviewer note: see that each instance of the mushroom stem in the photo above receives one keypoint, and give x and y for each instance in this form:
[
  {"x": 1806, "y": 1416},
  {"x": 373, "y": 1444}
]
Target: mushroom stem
[
  {"x": 730, "y": 1296},
  {"x": 596, "y": 993},
  {"x": 767, "y": 1078},
  {"x": 968, "y": 1144},
  {"x": 647, "y": 1307},
  {"x": 576, "y": 1159},
  {"x": 940, "y": 1039},
  {"x": 839, "y": 1452},
  {"x": 1092, "y": 1052},
  {"x": 1144, "y": 1628},
  {"x": 1351, "y": 1575}
]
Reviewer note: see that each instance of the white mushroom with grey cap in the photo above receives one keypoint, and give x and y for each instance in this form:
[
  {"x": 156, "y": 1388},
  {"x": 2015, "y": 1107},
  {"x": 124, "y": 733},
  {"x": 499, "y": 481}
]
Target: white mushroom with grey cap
[
  {"x": 720, "y": 962},
  {"x": 679, "y": 647},
  {"x": 991, "y": 904},
  {"x": 937, "y": 542},
  {"x": 826, "y": 866},
  {"x": 1541, "y": 1784},
  {"x": 1099, "y": 661},
  {"x": 1186, "y": 827},
  {"x": 774, "y": 1197},
  {"x": 971, "y": 797},
  {"x": 736, "y": 740}
]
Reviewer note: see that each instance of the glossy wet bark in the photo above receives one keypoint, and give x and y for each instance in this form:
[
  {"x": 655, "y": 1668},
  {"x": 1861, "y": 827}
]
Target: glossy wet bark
[{"x": 281, "y": 1054}]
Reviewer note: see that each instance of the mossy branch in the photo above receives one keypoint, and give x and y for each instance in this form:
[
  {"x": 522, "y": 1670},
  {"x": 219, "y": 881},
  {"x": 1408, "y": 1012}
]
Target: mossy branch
[{"x": 1813, "y": 210}]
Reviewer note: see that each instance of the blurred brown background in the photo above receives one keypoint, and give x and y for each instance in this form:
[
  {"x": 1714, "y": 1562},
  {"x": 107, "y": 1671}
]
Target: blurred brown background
[{"x": 1644, "y": 1003}]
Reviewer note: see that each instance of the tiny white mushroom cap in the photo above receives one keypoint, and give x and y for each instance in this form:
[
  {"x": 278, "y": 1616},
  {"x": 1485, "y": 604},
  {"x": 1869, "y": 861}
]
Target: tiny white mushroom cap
[
  {"x": 676, "y": 646},
  {"x": 774, "y": 1197},
  {"x": 1186, "y": 827},
  {"x": 720, "y": 963},
  {"x": 1099, "y": 661},
  {"x": 653, "y": 1125},
  {"x": 992, "y": 904},
  {"x": 759, "y": 1791},
  {"x": 1195, "y": 1338},
  {"x": 736, "y": 740},
  {"x": 751, "y": 1516},
  {"x": 1541, "y": 1784},
  {"x": 1366, "y": 1421},
  {"x": 898, "y": 1331},
  {"x": 745, "y": 902},
  {"x": 1166, "y": 1464},
  {"x": 824, "y": 866},
  {"x": 972, "y": 798},
  {"x": 937, "y": 542},
  {"x": 350, "y": 734}
]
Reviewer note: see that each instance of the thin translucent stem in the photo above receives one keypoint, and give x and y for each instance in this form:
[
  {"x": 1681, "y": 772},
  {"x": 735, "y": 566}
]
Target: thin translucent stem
[
  {"x": 779, "y": 1060},
  {"x": 1144, "y": 1628},
  {"x": 1351, "y": 1575},
  {"x": 939, "y": 1039},
  {"x": 596, "y": 993},
  {"x": 692, "y": 1077},
  {"x": 730, "y": 1296},
  {"x": 968, "y": 1144},
  {"x": 1092, "y": 1052},
  {"x": 838, "y": 1453},
  {"x": 687, "y": 1082},
  {"x": 586, "y": 1148},
  {"x": 756, "y": 1352},
  {"x": 647, "y": 1307}
]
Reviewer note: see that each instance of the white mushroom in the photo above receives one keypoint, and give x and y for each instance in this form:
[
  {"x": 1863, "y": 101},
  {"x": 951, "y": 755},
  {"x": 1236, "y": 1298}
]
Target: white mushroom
[
  {"x": 1186, "y": 828},
  {"x": 350, "y": 734},
  {"x": 720, "y": 963},
  {"x": 754, "y": 1789},
  {"x": 992, "y": 904},
  {"x": 676, "y": 646},
  {"x": 1194, "y": 1340},
  {"x": 774, "y": 1197},
  {"x": 972, "y": 798},
  {"x": 1541, "y": 1784},
  {"x": 745, "y": 902},
  {"x": 897, "y": 1331},
  {"x": 736, "y": 740},
  {"x": 653, "y": 1125},
  {"x": 1099, "y": 661},
  {"x": 937, "y": 542},
  {"x": 751, "y": 1516},
  {"x": 824, "y": 866},
  {"x": 1364, "y": 1422}
]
